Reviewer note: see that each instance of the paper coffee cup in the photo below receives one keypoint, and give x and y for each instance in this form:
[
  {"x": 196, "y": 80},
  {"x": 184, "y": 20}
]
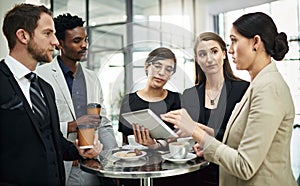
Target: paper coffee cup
[
  {"x": 85, "y": 135},
  {"x": 93, "y": 108}
]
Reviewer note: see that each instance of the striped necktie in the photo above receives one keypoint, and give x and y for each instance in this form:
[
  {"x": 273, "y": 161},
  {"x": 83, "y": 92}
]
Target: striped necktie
[{"x": 38, "y": 103}]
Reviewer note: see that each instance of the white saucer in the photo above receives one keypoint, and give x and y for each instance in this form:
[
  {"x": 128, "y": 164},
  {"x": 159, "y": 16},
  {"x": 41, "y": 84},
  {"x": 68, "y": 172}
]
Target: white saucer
[
  {"x": 130, "y": 158},
  {"x": 188, "y": 157}
]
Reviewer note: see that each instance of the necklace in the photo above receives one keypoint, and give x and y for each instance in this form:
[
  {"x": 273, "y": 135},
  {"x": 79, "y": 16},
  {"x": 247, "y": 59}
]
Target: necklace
[{"x": 212, "y": 101}]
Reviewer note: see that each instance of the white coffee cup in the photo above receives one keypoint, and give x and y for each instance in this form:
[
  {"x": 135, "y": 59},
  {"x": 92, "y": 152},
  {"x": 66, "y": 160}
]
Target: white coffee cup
[
  {"x": 190, "y": 140},
  {"x": 179, "y": 150},
  {"x": 131, "y": 141}
]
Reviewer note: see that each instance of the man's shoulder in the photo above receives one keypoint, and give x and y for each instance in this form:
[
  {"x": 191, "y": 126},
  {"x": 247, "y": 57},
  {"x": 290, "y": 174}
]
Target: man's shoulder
[
  {"x": 43, "y": 67},
  {"x": 44, "y": 71},
  {"x": 46, "y": 66},
  {"x": 3, "y": 67},
  {"x": 89, "y": 71},
  {"x": 89, "y": 74}
]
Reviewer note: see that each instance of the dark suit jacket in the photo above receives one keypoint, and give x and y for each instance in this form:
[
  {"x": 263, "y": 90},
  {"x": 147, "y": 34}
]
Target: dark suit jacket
[
  {"x": 232, "y": 93},
  {"x": 23, "y": 159}
]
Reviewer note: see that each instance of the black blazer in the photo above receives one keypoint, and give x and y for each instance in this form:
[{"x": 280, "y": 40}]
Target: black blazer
[
  {"x": 23, "y": 154},
  {"x": 193, "y": 101}
]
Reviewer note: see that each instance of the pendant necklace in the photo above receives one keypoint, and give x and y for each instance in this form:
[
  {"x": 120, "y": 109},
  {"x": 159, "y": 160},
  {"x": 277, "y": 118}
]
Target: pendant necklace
[{"x": 212, "y": 100}]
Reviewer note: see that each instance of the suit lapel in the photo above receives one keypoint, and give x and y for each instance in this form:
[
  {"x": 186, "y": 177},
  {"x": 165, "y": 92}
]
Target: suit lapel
[
  {"x": 51, "y": 107},
  {"x": 236, "y": 112},
  {"x": 19, "y": 92},
  {"x": 61, "y": 83},
  {"x": 201, "y": 92}
]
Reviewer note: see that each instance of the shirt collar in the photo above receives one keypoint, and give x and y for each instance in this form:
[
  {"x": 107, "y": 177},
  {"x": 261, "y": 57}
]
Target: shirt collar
[
  {"x": 66, "y": 70},
  {"x": 16, "y": 67},
  {"x": 63, "y": 67},
  {"x": 79, "y": 71}
]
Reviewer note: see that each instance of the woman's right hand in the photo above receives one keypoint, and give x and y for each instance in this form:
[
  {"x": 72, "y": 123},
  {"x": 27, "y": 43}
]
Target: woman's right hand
[
  {"x": 198, "y": 150},
  {"x": 182, "y": 120}
]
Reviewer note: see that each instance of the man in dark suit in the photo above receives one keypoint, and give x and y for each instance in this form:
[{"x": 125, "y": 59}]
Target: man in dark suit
[{"x": 32, "y": 147}]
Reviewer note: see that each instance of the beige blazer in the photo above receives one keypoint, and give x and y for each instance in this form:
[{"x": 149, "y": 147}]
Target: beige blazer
[
  {"x": 257, "y": 137},
  {"x": 53, "y": 74}
]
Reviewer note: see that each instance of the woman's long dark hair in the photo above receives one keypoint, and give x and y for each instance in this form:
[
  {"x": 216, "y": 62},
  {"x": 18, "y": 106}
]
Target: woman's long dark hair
[
  {"x": 200, "y": 76},
  {"x": 261, "y": 24}
]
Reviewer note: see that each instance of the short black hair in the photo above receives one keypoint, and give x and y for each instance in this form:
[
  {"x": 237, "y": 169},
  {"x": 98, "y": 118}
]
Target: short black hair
[{"x": 66, "y": 22}]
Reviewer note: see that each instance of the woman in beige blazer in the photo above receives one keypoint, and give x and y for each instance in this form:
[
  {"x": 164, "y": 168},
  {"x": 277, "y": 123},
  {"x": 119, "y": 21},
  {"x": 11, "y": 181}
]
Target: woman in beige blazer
[{"x": 256, "y": 145}]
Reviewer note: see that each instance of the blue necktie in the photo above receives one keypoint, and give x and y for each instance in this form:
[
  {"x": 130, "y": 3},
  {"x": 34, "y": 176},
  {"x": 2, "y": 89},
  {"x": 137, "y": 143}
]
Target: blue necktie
[{"x": 38, "y": 103}]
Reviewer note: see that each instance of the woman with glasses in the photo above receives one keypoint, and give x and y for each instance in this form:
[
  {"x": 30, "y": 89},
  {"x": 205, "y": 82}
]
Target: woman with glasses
[{"x": 160, "y": 65}]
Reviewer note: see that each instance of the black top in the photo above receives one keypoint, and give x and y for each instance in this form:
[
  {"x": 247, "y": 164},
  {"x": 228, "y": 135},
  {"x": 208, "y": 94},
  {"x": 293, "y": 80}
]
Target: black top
[
  {"x": 132, "y": 102},
  {"x": 193, "y": 100}
]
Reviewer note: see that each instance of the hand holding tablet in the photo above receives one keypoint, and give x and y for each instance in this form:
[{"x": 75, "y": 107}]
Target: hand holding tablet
[{"x": 148, "y": 119}]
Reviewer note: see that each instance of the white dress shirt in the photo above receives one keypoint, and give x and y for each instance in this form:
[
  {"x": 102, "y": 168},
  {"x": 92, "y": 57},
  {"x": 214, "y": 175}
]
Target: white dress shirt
[{"x": 19, "y": 71}]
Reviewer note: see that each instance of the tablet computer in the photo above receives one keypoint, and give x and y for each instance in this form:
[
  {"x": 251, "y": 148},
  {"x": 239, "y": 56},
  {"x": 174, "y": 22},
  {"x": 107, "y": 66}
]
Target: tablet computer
[{"x": 148, "y": 119}]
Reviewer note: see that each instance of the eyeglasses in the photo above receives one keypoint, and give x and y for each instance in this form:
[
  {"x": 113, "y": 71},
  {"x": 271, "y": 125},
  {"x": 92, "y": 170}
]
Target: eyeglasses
[{"x": 157, "y": 67}]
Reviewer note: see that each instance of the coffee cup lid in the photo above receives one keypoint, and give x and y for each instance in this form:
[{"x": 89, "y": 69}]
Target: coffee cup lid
[{"x": 94, "y": 105}]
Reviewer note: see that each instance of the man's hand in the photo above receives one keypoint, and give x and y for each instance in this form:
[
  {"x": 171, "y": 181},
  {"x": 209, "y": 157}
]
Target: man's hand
[
  {"x": 92, "y": 152},
  {"x": 90, "y": 119},
  {"x": 93, "y": 119}
]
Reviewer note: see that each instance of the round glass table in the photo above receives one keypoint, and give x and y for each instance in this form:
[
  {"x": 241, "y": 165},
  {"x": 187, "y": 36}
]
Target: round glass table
[{"x": 146, "y": 166}]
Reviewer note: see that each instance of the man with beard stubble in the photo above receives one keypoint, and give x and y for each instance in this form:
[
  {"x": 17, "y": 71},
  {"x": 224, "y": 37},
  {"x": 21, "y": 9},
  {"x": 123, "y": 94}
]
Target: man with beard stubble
[{"x": 32, "y": 146}]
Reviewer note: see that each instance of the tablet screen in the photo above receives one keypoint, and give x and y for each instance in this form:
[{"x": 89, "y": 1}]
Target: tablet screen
[{"x": 148, "y": 119}]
